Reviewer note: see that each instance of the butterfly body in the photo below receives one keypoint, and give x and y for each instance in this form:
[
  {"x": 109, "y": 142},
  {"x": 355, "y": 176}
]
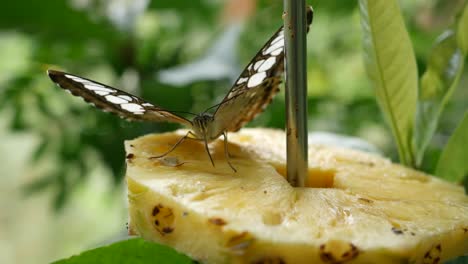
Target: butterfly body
[
  {"x": 203, "y": 127},
  {"x": 249, "y": 96}
]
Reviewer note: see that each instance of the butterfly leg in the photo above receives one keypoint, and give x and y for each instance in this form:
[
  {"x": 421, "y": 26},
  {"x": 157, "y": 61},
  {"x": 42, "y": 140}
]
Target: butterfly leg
[
  {"x": 173, "y": 147},
  {"x": 208, "y": 151},
  {"x": 226, "y": 151}
]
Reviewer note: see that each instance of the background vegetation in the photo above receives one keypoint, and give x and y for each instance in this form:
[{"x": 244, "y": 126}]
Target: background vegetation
[{"x": 62, "y": 161}]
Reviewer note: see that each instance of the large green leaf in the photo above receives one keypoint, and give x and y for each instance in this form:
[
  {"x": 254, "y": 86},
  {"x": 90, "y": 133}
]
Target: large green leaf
[
  {"x": 452, "y": 164},
  {"x": 135, "y": 251},
  {"x": 462, "y": 32},
  {"x": 445, "y": 66},
  {"x": 459, "y": 260},
  {"x": 391, "y": 65}
]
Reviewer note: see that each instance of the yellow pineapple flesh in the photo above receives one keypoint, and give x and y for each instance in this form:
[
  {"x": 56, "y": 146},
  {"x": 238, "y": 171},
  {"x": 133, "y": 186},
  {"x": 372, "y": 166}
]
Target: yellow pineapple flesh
[{"x": 359, "y": 207}]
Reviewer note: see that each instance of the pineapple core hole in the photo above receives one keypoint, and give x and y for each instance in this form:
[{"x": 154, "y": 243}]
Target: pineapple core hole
[
  {"x": 318, "y": 177},
  {"x": 272, "y": 218}
]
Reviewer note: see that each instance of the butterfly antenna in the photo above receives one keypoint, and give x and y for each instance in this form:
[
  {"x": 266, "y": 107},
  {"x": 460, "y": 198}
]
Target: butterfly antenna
[
  {"x": 216, "y": 105},
  {"x": 183, "y": 112},
  {"x": 223, "y": 102}
]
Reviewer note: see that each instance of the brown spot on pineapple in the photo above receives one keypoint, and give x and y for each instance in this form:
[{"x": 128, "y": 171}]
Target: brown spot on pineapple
[
  {"x": 270, "y": 260},
  {"x": 163, "y": 219},
  {"x": 367, "y": 163},
  {"x": 155, "y": 211},
  {"x": 239, "y": 243},
  {"x": 338, "y": 252},
  {"x": 217, "y": 221},
  {"x": 167, "y": 230},
  {"x": 397, "y": 231},
  {"x": 432, "y": 256},
  {"x": 365, "y": 200},
  {"x": 130, "y": 156},
  {"x": 327, "y": 257}
]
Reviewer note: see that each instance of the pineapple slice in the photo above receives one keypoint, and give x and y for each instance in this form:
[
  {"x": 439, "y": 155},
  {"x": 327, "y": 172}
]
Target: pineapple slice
[{"x": 362, "y": 209}]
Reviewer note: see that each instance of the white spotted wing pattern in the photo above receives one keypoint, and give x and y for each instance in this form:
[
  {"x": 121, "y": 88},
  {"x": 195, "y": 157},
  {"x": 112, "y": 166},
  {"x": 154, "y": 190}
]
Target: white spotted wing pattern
[
  {"x": 112, "y": 100},
  {"x": 250, "y": 94},
  {"x": 255, "y": 88}
]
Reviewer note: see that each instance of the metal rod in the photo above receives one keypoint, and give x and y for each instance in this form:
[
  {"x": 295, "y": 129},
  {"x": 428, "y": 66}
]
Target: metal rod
[{"x": 296, "y": 91}]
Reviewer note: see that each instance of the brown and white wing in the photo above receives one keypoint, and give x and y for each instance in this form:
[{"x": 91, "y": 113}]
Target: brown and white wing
[
  {"x": 255, "y": 88},
  {"x": 112, "y": 100}
]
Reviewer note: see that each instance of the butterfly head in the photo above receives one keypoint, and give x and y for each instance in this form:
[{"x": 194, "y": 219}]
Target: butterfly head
[{"x": 202, "y": 126}]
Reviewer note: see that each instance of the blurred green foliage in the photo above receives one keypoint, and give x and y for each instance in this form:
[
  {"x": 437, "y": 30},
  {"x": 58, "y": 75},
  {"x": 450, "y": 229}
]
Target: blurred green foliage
[
  {"x": 81, "y": 37},
  {"x": 135, "y": 251}
]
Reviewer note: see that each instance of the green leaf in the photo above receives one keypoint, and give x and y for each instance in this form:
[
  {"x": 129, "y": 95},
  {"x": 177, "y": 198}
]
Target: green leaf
[
  {"x": 445, "y": 66},
  {"x": 391, "y": 65},
  {"x": 462, "y": 30},
  {"x": 452, "y": 164},
  {"x": 459, "y": 260},
  {"x": 135, "y": 251}
]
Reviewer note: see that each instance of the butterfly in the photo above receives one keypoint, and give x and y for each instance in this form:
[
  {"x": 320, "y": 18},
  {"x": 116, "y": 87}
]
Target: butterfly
[{"x": 250, "y": 94}]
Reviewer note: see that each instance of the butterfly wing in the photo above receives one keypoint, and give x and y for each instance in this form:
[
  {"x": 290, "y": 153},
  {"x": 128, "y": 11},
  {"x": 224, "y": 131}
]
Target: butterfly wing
[
  {"x": 113, "y": 100},
  {"x": 255, "y": 87}
]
